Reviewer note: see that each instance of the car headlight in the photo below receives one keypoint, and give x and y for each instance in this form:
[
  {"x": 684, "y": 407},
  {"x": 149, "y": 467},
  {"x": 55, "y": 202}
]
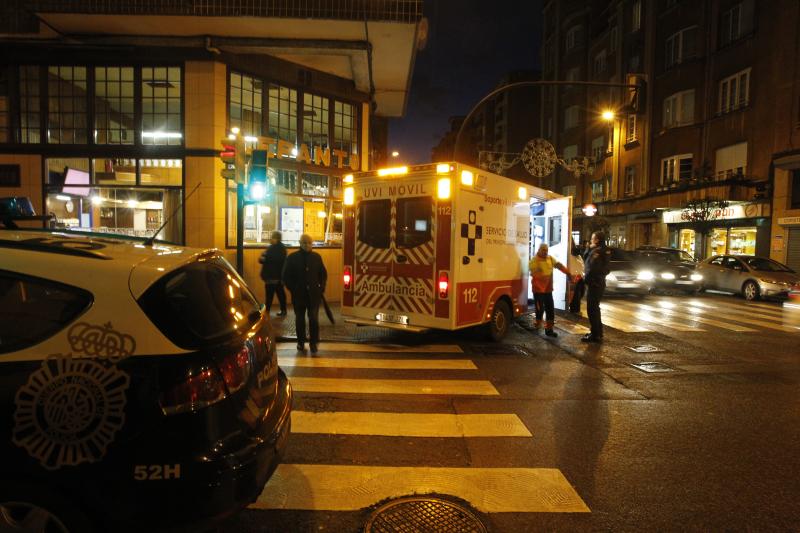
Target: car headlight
[
  {"x": 611, "y": 277},
  {"x": 667, "y": 275},
  {"x": 696, "y": 277},
  {"x": 645, "y": 275}
]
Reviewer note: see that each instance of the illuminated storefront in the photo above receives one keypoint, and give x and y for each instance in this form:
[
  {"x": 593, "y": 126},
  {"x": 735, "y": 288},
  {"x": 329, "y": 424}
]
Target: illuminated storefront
[{"x": 739, "y": 229}]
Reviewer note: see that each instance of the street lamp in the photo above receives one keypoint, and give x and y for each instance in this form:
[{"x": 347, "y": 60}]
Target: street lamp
[
  {"x": 395, "y": 154},
  {"x": 608, "y": 115}
]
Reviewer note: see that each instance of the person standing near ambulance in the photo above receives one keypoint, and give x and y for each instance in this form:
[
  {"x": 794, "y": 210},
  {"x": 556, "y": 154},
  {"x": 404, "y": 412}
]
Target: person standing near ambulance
[
  {"x": 541, "y": 268},
  {"x": 596, "y": 260}
]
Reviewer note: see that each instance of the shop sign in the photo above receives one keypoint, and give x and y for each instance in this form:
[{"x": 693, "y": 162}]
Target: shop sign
[
  {"x": 302, "y": 153},
  {"x": 789, "y": 221},
  {"x": 731, "y": 212}
]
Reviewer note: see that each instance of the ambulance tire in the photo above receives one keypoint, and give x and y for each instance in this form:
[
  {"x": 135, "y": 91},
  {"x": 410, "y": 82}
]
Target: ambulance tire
[{"x": 500, "y": 322}]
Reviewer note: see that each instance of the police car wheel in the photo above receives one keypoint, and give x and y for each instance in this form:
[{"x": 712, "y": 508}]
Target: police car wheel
[
  {"x": 500, "y": 321},
  {"x": 37, "y": 509}
]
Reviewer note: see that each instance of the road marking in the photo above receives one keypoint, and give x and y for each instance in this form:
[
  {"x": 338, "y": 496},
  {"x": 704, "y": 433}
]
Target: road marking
[
  {"x": 646, "y": 317},
  {"x": 396, "y": 364},
  {"x": 409, "y": 424},
  {"x": 328, "y": 347},
  {"x": 394, "y": 386},
  {"x": 721, "y": 304},
  {"x": 772, "y": 313},
  {"x": 710, "y": 322},
  {"x": 621, "y": 325},
  {"x": 571, "y": 327},
  {"x": 734, "y": 314},
  {"x": 350, "y": 488}
]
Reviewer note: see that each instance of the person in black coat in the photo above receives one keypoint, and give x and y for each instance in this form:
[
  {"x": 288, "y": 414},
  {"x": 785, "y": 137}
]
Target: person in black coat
[
  {"x": 272, "y": 261},
  {"x": 305, "y": 276},
  {"x": 596, "y": 265}
]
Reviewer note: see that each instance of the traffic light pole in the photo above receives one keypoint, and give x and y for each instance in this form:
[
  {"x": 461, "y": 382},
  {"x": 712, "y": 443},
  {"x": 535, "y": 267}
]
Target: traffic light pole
[{"x": 240, "y": 228}]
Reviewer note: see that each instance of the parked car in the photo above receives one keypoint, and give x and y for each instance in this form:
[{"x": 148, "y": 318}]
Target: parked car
[
  {"x": 751, "y": 276},
  {"x": 624, "y": 276},
  {"x": 139, "y": 385},
  {"x": 676, "y": 256},
  {"x": 667, "y": 274}
]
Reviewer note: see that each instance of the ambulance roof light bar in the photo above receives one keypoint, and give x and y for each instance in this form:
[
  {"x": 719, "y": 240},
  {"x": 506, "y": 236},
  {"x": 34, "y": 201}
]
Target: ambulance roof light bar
[
  {"x": 444, "y": 168},
  {"x": 393, "y": 171}
]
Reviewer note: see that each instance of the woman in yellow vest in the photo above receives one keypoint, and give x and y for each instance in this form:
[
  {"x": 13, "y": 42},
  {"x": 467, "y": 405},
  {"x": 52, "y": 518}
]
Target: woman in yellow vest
[{"x": 541, "y": 268}]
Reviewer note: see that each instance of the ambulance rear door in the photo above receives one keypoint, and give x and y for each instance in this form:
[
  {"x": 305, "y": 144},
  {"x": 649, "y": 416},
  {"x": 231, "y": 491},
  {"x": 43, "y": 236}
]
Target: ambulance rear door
[{"x": 558, "y": 236}]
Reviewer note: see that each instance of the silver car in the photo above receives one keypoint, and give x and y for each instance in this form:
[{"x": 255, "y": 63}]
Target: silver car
[{"x": 751, "y": 276}]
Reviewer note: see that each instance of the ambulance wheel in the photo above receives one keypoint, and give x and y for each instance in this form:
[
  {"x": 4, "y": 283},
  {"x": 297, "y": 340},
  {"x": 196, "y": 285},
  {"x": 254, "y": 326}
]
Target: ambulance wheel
[{"x": 500, "y": 321}]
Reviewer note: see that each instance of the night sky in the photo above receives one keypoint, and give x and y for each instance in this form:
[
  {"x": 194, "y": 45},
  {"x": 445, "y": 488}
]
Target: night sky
[{"x": 472, "y": 44}]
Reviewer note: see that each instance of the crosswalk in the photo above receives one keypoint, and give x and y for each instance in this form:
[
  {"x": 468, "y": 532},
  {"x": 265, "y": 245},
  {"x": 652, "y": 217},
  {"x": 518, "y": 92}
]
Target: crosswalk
[
  {"x": 690, "y": 315},
  {"x": 348, "y": 487}
]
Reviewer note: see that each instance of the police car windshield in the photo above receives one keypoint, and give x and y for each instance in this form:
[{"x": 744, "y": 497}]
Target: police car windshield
[{"x": 200, "y": 303}]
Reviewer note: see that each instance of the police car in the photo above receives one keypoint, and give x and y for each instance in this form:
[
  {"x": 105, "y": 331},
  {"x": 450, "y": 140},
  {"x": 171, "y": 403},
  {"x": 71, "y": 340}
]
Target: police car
[{"x": 139, "y": 385}]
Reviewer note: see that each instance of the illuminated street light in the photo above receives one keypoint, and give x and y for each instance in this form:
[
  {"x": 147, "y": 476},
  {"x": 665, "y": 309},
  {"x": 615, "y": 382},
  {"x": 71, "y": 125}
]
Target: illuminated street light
[
  {"x": 395, "y": 153},
  {"x": 608, "y": 115}
]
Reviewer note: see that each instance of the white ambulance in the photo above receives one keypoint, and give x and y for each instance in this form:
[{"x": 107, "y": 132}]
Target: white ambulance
[{"x": 446, "y": 246}]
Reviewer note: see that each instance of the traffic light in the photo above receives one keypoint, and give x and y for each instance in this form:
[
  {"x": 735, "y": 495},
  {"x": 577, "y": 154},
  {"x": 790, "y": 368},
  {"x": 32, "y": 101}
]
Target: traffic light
[
  {"x": 234, "y": 158},
  {"x": 228, "y": 157},
  {"x": 258, "y": 186}
]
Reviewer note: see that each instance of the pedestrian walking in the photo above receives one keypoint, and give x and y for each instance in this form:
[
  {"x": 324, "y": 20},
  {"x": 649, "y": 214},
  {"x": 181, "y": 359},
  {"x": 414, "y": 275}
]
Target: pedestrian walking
[
  {"x": 305, "y": 276},
  {"x": 596, "y": 268},
  {"x": 541, "y": 268},
  {"x": 272, "y": 261}
]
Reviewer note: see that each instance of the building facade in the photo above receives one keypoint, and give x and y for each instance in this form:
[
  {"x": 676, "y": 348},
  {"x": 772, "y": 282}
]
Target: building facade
[
  {"x": 717, "y": 119},
  {"x": 111, "y": 116}
]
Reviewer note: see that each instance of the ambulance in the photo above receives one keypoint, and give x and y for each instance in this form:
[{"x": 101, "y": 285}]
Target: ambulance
[{"x": 446, "y": 246}]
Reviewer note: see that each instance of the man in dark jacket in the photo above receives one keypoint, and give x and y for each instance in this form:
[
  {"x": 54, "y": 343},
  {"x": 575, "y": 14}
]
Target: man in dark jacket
[
  {"x": 596, "y": 264},
  {"x": 272, "y": 261},
  {"x": 305, "y": 276}
]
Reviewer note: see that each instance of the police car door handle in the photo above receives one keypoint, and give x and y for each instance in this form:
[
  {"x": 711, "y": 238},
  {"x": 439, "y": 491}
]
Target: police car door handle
[
  {"x": 465, "y": 260},
  {"x": 401, "y": 258}
]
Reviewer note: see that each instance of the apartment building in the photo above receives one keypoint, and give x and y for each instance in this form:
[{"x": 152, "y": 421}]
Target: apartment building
[{"x": 718, "y": 119}]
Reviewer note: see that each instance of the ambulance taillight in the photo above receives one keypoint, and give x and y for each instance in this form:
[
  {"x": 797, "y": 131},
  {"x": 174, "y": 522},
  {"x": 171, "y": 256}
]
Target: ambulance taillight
[
  {"x": 444, "y": 285},
  {"x": 347, "y": 278}
]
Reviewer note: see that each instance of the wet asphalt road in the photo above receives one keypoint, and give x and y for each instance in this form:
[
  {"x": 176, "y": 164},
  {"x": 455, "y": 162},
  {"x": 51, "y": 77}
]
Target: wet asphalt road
[{"x": 711, "y": 445}]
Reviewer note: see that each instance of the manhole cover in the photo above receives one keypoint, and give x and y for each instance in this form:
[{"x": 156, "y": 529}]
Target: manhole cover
[
  {"x": 422, "y": 515},
  {"x": 652, "y": 367},
  {"x": 645, "y": 348}
]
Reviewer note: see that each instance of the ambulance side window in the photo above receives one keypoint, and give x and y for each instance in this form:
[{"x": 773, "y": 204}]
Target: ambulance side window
[
  {"x": 414, "y": 221},
  {"x": 374, "y": 222}
]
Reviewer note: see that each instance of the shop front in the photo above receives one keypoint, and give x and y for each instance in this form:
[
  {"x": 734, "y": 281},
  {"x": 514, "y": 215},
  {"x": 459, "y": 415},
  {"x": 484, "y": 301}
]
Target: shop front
[{"x": 739, "y": 229}]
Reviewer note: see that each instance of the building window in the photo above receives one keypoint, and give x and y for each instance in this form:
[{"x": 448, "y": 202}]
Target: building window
[
  {"x": 345, "y": 131},
  {"x": 600, "y": 63},
  {"x": 549, "y": 56},
  {"x": 104, "y": 196},
  {"x": 597, "y": 191},
  {"x": 570, "y": 117},
  {"x": 570, "y": 152},
  {"x": 568, "y": 190},
  {"x": 795, "y": 189},
  {"x": 630, "y": 129},
  {"x": 30, "y": 104},
  {"x": 114, "y": 121},
  {"x": 573, "y": 74},
  {"x": 549, "y": 128},
  {"x": 677, "y": 167},
  {"x": 734, "y": 92},
  {"x": 246, "y": 104},
  {"x": 731, "y": 161},
  {"x": 681, "y": 46},
  {"x": 599, "y": 148},
  {"x": 630, "y": 180},
  {"x": 315, "y": 120},
  {"x": 678, "y": 109},
  {"x": 5, "y": 115},
  {"x": 573, "y": 38},
  {"x": 636, "y": 15},
  {"x": 67, "y": 103},
  {"x": 634, "y": 62},
  {"x": 162, "y": 114},
  {"x": 612, "y": 44},
  {"x": 736, "y": 22},
  {"x": 283, "y": 113}
]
